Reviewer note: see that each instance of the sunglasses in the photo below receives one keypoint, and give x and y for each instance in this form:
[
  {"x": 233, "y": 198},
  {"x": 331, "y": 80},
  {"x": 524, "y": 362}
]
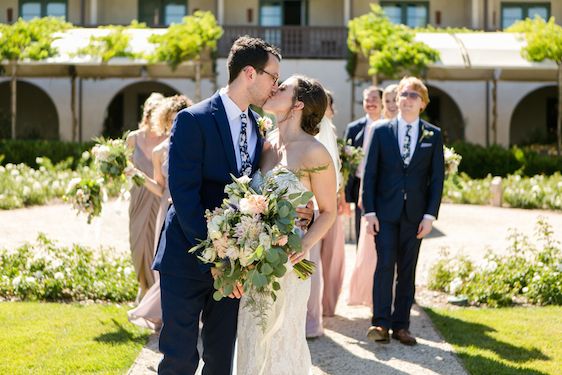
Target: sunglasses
[{"x": 410, "y": 94}]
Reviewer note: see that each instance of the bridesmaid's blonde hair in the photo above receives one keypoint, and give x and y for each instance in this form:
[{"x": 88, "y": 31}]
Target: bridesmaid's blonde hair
[
  {"x": 148, "y": 108},
  {"x": 166, "y": 112}
]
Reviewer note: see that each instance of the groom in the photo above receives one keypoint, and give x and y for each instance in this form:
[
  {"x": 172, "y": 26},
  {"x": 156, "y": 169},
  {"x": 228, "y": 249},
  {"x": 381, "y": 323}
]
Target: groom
[
  {"x": 402, "y": 186},
  {"x": 209, "y": 141}
]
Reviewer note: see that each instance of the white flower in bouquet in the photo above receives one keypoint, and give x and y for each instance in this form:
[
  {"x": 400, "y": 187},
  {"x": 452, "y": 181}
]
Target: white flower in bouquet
[{"x": 452, "y": 160}]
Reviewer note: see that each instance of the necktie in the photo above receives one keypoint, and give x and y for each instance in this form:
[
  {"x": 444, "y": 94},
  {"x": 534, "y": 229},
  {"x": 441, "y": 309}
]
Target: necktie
[
  {"x": 246, "y": 164},
  {"x": 406, "y": 146}
]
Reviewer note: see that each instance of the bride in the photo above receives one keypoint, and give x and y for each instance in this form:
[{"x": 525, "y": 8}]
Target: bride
[{"x": 299, "y": 105}]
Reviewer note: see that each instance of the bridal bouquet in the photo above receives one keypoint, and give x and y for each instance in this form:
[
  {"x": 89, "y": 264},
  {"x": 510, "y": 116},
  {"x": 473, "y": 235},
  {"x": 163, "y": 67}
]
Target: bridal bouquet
[
  {"x": 350, "y": 157},
  {"x": 250, "y": 237},
  {"x": 112, "y": 158},
  {"x": 86, "y": 196},
  {"x": 452, "y": 161}
]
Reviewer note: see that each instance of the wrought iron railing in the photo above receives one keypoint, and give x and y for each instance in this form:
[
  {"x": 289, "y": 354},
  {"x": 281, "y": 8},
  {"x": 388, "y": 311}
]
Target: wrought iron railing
[{"x": 304, "y": 42}]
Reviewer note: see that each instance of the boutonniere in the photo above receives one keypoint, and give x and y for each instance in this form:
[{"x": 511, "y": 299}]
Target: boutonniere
[
  {"x": 264, "y": 125},
  {"x": 426, "y": 133}
]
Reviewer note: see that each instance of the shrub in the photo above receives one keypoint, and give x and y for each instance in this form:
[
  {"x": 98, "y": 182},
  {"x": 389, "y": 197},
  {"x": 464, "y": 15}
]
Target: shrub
[
  {"x": 27, "y": 151},
  {"x": 479, "y": 161},
  {"x": 525, "y": 272},
  {"x": 44, "y": 271}
]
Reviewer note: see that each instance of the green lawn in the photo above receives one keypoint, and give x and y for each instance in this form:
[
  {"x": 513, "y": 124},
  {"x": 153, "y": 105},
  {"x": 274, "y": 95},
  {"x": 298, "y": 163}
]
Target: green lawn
[
  {"x": 506, "y": 341},
  {"x": 53, "y": 338}
]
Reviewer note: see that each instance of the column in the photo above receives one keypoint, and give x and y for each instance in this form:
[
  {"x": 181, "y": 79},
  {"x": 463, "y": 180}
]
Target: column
[{"x": 93, "y": 12}]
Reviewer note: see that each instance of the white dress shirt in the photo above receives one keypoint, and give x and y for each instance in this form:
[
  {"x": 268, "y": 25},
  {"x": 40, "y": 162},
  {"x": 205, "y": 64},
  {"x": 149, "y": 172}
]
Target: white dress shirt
[
  {"x": 365, "y": 146},
  {"x": 235, "y": 124}
]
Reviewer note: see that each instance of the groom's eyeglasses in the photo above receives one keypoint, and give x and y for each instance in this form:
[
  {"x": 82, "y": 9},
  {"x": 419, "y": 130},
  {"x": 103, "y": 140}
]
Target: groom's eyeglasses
[{"x": 274, "y": 77}]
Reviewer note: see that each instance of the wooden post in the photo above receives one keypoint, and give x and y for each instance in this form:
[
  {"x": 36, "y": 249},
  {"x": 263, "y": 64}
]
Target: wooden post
[
  {"x": 73, "y": 103},
  {"x": 13, "y": 85},
  {"x": 198, "y": 80}
]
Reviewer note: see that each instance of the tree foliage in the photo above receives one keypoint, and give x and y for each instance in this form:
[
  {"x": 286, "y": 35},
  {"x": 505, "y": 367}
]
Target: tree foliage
[
  {"x": 187, "y": 40},
  {"x": 544, "y": 39},
  {"x": 113, "y": 44},
  {"x": 30, "y": 39},
  {"x": 390, "y": 48}
]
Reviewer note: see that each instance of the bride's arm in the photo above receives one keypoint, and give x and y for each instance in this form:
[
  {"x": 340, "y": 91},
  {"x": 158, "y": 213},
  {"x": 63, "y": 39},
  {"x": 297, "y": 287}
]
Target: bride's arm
[{"x": 323, "y": 185}]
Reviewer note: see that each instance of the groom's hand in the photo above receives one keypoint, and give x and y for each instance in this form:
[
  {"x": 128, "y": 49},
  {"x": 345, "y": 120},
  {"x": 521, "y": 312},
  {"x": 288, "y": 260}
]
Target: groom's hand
[{"x": 305, "y": 215}]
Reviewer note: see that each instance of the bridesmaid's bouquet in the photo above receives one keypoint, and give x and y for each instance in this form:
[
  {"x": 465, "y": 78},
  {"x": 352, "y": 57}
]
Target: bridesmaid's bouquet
[
  {"x": 251, "y": 235},
  {"x": 86, "y": 196},
  {"x": 350, "y": 157},
  {"x": 452, "y": 161},
  {"x": 112, "y": 158}
]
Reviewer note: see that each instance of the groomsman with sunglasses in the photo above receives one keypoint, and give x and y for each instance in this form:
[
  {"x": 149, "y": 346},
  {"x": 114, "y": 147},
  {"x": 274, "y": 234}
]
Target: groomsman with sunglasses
[{"x": 402, "y": 187}]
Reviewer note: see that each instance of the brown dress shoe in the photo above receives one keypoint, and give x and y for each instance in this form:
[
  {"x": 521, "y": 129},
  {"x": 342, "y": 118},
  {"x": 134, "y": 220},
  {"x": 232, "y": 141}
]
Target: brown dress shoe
[
  {"x": 378, "y": 334},
  {"x": 404, "y": 336}
]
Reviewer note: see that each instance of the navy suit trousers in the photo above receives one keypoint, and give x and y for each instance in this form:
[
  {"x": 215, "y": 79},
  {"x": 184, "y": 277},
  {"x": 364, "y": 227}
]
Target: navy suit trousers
[
  {"x": 397, "y": 246},
  {"x": 183, "y": 300}
]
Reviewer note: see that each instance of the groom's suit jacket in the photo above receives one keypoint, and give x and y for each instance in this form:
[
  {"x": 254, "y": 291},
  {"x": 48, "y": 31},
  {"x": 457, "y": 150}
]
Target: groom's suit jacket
[
  {"x": 389, "y": 186},
  {"x": 201, "y": 160}
]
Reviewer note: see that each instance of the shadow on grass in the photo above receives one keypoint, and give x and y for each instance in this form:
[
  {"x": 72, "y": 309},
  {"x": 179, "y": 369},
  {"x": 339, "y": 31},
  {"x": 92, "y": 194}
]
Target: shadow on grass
[
  {"x": 467, "y": 334},
  {"x": 122, "y": 335}
]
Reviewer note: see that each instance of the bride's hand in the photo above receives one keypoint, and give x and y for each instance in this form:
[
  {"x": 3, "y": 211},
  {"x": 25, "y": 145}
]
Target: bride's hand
[
  {"x": 297, "y": 257},
  {"x": 238, "y": 291}
]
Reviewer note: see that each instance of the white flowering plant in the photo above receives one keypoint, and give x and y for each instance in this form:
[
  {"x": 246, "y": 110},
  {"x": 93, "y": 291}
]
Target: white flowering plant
[
  {"x": 112, "y": 157},
  {"x": 452, "y": 161},
  {"x": 42, "y": 270},
  {"x": 524, "y": 273},
  {"x": 350, "y": 158},
  {"x": 251, "y": 235}
]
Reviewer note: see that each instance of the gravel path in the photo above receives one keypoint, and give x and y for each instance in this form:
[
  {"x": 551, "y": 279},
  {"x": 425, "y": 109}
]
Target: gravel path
[{"x": 343, "y": 350}]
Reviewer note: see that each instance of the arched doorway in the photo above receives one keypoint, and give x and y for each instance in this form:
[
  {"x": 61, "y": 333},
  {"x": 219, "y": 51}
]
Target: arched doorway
[
  {"x": 125, "y": 110},
  {"x": 534, "y": 118},
  {"x": 37, "y": 117},
  {"x": 444, "y": 112}
]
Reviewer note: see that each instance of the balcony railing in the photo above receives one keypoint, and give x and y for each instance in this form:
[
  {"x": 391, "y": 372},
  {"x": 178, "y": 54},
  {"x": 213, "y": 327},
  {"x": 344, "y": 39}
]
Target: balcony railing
[{"x": 301, "y": 42}]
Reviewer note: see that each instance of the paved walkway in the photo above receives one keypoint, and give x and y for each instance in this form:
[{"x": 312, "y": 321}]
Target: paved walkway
[{"x": 343, "y": 350}]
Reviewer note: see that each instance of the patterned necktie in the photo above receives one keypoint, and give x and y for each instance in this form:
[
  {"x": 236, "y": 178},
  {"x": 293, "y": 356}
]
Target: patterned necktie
[
  {"x": 246, "y": 164},
  {"x": 406, "y": 146}
]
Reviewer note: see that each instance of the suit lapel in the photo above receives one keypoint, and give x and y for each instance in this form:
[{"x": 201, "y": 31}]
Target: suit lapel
[
  {"x": 219, "y": 114},
  {"x": 394, "y": 137},
  {"x": 361, "y": 134}
]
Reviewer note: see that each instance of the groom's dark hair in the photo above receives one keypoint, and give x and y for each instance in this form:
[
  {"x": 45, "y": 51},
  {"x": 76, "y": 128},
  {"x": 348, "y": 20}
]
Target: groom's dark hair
[{"x": 249, "y": 51}]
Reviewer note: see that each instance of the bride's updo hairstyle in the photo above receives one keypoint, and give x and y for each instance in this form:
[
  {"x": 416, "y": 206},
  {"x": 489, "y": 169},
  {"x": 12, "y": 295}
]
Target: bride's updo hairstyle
[{"x": 312, "y": 94}]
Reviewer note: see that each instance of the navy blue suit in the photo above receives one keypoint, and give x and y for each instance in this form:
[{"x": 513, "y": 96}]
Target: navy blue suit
[
  {"x": 400, "y": 196},
  {"x": 201, "y": 159},
  {"x": 355, "y": 132}
]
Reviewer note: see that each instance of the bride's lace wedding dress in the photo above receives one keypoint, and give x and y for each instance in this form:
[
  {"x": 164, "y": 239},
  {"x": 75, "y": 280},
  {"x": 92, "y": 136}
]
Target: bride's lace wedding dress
[{"x": 282, "y": 348}]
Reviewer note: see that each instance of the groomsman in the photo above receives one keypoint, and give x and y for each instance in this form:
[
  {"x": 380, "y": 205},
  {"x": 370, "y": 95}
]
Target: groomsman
[
  {"x": 402, "y": 187},
  {"x": 355, "y": 131}
]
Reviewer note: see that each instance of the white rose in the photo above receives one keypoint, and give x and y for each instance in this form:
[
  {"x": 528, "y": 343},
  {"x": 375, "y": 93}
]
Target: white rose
[
  {"x": 244, "y": 180},
  {"x": 59, "y": 276}
]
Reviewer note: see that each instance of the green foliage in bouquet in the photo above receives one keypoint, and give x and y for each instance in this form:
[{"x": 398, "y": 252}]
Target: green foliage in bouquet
[
  {"x": 350, "y": 157},
  {"x": 44, "y": 271},
  {"x": 250, "y": 237},
  {"x": 112, "y": 156},
  {"x": 525, "y": 273}
]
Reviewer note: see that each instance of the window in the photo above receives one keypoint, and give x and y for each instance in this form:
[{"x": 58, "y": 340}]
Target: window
[
  {"x": 30, "y": 9},
  {"x": 162, "y": 12},
  {"x": 280, "y": 13},
  {"x": 513, "y": 12},
  {"x": 412, "y": 14}
]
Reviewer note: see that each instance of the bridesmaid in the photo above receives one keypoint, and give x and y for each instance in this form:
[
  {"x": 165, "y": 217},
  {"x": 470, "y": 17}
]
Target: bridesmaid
[
  {"x": 327, "y": 254},
  {"x": 333, "y": 243},
  {"x": 361, "y": 283},
  {"x": 143, "y": 206},
  {"x": 149, "y": 313}
]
